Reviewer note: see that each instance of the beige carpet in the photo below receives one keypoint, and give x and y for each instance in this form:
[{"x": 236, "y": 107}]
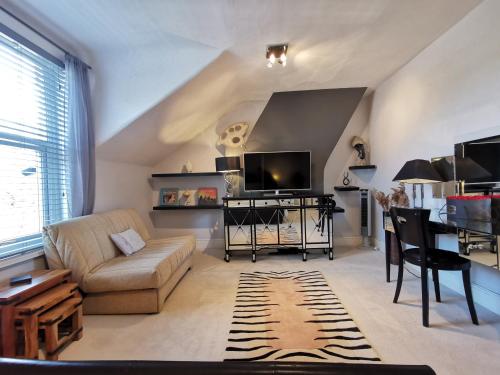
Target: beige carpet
[
  {"x": 292, "y": 316},
  {"x": 196, "y": 318}
]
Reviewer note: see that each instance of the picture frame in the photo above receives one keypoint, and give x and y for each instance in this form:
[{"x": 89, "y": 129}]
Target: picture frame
[
  {"x": 188, "y": 197},
  {"x": 168, "y": 197},
  {"x": 207, "y": 196}
]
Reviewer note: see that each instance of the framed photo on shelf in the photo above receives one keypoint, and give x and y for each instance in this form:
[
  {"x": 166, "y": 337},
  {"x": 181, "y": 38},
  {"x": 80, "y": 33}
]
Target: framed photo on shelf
[
  {"x": 207, "y": 196},
  {"x": 168, "y": 197},
  {"x": 187, "y": 197}
]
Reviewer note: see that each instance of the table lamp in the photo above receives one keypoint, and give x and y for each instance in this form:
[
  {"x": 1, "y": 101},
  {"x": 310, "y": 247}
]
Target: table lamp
[
  {"x": 228, "y": 165},
  {"x": 418, "y": 172}
]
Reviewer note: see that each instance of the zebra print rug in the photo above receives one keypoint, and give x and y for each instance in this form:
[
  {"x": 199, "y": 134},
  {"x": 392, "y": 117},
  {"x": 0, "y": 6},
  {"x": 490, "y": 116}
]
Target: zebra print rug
[{"x": 292, "y": 316}]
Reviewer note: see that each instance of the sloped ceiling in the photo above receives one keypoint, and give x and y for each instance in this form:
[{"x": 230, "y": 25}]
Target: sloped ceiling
[
  {"x": 165, "y": 71},
  {"x": 311, "y": 120}
]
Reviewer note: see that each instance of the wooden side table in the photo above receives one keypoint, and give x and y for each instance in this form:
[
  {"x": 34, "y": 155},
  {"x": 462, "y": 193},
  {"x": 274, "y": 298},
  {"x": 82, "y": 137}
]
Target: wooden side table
[
  {"x": 51, "y": 320},
  {"x": 12, "y": 296}
]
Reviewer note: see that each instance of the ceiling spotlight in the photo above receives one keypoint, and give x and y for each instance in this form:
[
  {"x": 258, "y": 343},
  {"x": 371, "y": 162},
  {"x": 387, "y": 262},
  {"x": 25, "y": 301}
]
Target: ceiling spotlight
[{"x": 276, "y": 50}]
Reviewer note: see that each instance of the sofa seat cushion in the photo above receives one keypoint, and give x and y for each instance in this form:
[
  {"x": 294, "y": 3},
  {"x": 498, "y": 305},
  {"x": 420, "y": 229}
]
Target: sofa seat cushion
[{"x": 149, "y": 268}]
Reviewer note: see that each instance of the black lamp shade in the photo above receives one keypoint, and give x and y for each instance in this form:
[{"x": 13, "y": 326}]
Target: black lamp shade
[
  {"x": 227, "y": 164},
  {"x": 418, "y": 171},
  {"x": 445, "y": 167},
  {"x": 467, "y": 170}
]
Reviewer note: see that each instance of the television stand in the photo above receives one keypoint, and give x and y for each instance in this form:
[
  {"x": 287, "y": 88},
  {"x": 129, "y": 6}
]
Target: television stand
[
  {"x": 287, "y": 223},
  {"x": 275, "y": 194}
]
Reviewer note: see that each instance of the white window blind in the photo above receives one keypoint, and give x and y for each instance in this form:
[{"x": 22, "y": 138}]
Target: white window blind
[{"x": 33, "y": 182}]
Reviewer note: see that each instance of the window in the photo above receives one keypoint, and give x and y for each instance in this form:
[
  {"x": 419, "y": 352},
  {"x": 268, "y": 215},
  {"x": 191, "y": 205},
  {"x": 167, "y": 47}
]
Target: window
[{"x": 33, "y": 183}]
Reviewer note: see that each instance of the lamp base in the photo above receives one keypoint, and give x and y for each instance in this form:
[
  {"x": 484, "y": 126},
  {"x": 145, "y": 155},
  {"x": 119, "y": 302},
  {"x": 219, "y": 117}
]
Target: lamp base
[
  {"x": 421, "y": 196},
  {"x": 229, "y": 184}
]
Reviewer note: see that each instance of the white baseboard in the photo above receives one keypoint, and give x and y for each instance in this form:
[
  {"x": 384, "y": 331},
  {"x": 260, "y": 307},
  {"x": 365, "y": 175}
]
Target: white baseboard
[
  {"x": 348, "y": 241},
  {"x": 209, "y": 244}
]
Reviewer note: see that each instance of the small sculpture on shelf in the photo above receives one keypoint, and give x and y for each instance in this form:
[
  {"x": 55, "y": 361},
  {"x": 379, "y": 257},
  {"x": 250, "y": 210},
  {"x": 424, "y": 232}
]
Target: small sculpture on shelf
[
  {"x": 362, "y": 149},
  {"x": 188, "y": 167},
  {"x": 346, "y": 180}
]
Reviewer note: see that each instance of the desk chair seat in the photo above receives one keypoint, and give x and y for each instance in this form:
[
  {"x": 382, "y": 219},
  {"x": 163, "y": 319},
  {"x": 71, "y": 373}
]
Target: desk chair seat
[
  {"x": 411, "y": 227},
  {"x": 436, "y": 258}
]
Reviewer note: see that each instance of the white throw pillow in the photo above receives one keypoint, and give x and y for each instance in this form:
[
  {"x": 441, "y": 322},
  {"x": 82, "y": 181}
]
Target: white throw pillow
[{"x": 128, "y": 241}]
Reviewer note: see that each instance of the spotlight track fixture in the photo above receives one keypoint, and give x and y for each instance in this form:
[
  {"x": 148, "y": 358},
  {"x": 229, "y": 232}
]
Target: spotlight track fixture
[{"x": 276, "y": 53}]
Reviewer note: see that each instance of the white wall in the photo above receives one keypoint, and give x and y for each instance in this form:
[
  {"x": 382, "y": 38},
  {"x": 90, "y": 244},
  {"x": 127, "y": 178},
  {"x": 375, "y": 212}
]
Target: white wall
[
  {"x": 449, "y": 93},
  {"x": 120, "y": 185},
  {"x": 202, "y": 151},
  {"x": 347, "y": 228},
  {"x": 206, "y": 225}
]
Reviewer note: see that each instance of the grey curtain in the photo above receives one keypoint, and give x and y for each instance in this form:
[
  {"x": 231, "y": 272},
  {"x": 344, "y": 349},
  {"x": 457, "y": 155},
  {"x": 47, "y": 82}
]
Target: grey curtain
[{"x": 81, "y": 142}]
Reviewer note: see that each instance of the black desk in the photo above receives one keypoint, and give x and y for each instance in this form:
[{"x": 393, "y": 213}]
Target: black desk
[{"x": 440, "y": 224}]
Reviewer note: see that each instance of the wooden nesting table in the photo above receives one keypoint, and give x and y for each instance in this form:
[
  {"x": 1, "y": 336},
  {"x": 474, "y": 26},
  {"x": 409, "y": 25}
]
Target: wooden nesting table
[{"x": 41, "y": 305}]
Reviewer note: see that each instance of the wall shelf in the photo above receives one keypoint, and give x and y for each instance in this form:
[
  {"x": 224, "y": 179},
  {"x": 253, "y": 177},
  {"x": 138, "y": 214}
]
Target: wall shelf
[
  {"x": 197, "y": 207},
  {"x": 192, "y": 174},
  {"x": 356, "y": 167},
  {"x": 346, "y": 188}
]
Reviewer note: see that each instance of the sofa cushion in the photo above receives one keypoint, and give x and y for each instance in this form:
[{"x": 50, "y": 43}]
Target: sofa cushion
[
  {"x": 149, "y": 268},
  {"x": 129, "y": 241},
  {"x": 82, "y": 244}
]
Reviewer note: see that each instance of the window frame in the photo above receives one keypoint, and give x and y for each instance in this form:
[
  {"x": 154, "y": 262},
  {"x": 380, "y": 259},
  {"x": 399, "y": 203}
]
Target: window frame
[{"x": 52, "y": 184}]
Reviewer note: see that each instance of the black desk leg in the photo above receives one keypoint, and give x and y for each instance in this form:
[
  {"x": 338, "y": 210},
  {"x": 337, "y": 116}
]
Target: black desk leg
[{"x": 388, "y": 256}]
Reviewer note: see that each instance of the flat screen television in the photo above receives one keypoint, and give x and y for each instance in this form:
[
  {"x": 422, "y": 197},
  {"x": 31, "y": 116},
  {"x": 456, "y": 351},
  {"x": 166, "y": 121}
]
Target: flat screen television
[
  {"x": 277, "y": 171},
  {"x": 478, "y": 162}
]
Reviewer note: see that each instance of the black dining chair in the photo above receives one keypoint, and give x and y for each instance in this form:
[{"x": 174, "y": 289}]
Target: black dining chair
[{"x": 411, "y": 227}]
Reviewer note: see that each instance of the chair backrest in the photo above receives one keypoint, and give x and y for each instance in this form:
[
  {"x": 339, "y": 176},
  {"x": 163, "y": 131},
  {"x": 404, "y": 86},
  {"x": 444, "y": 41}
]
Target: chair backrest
[{"x": 411, "y": 226}]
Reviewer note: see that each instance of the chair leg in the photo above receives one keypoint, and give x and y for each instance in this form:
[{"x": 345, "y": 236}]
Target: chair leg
[
  {"x": 435, "y": 279},
  {"x": 425, "y": 296},
  {"x": 468, "y": 295},
  {"x": 400, "y": 280}
]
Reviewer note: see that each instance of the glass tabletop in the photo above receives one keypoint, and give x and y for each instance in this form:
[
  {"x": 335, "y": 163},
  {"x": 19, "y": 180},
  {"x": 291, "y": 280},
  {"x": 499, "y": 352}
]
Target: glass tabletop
[{"x": 447, "y": 224}]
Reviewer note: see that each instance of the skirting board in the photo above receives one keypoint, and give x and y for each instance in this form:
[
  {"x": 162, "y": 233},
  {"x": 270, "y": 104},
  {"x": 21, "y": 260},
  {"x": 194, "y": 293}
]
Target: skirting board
[{"x": 453, "y": 280}]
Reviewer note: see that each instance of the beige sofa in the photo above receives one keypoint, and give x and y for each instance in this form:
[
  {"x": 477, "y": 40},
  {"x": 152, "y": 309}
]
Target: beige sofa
[{"x": 114, "y": 283}]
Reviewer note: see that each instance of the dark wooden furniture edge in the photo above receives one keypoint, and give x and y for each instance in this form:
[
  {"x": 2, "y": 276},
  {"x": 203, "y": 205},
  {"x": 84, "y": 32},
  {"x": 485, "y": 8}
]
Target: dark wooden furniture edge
[
  {"x": 346, "y": 188},
  {"x": 192, "y": 174},
  {"x": 355, "y": 167},
  {"x": 196, "y": 207},
  {"x": 25, "y": 367}
]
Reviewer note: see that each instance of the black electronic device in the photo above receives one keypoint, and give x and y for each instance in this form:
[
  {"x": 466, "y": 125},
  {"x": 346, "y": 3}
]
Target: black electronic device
[
  {"x": 20, "y": 280},
  {"x": 277, "y": 171},
  {"x": 476, "y": 162}
]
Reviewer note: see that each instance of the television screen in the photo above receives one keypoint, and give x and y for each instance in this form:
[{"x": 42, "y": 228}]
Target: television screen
[
  {"x": 478, "y": 161},
  {"x": 266, "y": 171}
]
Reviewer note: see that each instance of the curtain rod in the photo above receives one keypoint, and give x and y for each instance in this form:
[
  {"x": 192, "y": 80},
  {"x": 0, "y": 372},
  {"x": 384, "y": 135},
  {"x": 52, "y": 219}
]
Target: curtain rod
[{"x": 39, "y": 34}]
